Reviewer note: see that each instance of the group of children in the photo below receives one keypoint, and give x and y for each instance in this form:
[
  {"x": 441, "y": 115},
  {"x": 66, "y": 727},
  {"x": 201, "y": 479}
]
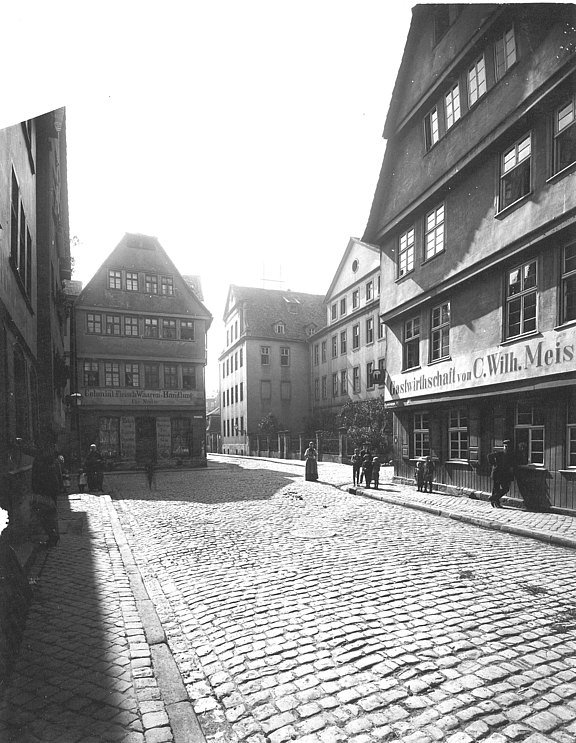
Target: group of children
[
  {"x": 365, "y": 467},
  {"x": 424, "y": 474}
]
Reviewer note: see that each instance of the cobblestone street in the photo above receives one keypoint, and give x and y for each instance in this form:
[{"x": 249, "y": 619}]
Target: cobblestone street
[{"x": 299, "y": 611}]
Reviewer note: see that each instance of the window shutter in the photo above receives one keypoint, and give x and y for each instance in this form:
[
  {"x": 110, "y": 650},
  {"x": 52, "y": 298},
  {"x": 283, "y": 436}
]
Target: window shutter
[
  {"x": 435, "y": 436},
  {"x": 402, "y": 437},
  {"x": 474, "y": 435}
]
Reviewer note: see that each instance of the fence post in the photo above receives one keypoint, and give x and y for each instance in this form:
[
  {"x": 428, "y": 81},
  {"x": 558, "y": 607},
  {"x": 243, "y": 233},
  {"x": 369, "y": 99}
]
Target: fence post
[
  {"x": 301, "y": 445},
  {"x": 319, "y": 444},
  {"x": 342, "y": 443}
]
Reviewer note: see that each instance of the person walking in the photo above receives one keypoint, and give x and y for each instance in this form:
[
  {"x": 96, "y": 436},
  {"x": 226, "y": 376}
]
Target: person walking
[
  {"x": 46, "y": 487},
  {"x": 502, "y": 463},
  {"x": 356, "y": 467},
  {"x": 375, "y": 472},
  {"x": 367, "y": 468},
  {"x": 150, "y": 469},
  {"x": 311, "y": 457},
  {"x": 362, "y": 455},
  {"x": 429, "y": 469},
  {"x": 94, "y": 467}
]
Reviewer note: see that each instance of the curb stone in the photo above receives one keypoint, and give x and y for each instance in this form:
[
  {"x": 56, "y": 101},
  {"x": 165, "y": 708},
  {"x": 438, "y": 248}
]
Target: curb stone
[
  {"x": 179, "y": 709},
  {"x": 520, "y": 531}
]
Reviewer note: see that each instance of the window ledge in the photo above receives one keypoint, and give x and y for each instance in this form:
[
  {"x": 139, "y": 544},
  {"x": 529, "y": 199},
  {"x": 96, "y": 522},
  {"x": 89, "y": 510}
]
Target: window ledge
[
  {"x": 465, "y": 462},
  {"x": 521, "y": 338},
  {"x": 432, "y": 362},
  {"x": 411, "y": 369},
  {"x": 568, "y": 472},
  {"x": 507, "y": 209},
  {"x": 560, "y": 174},
  {"x": 567, "y": 324},
  {"x": 402, "y": 278},
  {"x": 431, "y": 258}
]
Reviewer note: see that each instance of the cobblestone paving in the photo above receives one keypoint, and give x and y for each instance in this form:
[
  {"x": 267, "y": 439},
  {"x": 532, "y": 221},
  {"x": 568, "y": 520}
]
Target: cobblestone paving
[
  {"x": 297, "y": 611},
  {"x": 84, "y": 672}
]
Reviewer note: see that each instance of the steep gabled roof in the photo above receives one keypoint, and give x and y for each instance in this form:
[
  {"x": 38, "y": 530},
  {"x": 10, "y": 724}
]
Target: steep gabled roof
[
  {"x": 195, "y": 283},
  {"x": 263, "y": 308},
  {"x": 353, "y": 243},
  {"x": 142, "y": 253}
]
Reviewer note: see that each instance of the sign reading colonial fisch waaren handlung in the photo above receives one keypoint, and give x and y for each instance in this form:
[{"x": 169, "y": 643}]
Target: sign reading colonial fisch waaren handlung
[
  {"x": 545, "y": 355},
  {"x": 140, "y": 397}
]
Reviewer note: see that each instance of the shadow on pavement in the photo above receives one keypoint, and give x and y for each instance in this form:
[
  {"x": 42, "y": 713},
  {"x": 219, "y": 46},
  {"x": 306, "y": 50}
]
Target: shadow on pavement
[{"x": 71, "y": 680}]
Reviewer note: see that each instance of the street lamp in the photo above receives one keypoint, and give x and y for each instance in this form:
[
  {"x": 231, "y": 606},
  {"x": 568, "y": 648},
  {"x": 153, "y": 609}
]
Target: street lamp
[{"x": 76, "y": 398}]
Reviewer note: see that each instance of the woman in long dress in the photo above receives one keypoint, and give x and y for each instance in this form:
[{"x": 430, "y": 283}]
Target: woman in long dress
[{"x": 311, "y": 458}]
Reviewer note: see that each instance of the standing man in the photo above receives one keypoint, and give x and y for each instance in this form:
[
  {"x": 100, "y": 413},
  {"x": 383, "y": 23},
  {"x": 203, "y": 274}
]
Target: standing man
[
  {"x": 94, "y": 468},
  {"x": 502, "y": 463}
]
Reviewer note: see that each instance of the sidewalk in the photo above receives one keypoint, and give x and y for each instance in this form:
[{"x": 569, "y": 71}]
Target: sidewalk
[{"x": 94, "y": 664}]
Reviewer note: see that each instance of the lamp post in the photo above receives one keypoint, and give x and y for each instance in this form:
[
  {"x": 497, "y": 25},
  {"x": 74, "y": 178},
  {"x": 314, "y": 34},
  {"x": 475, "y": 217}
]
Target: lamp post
[{"x": 76, "y": 398}]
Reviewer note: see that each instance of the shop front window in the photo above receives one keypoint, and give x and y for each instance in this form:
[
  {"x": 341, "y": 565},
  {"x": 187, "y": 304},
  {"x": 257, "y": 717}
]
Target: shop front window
[{"x": 529, "y": 434}]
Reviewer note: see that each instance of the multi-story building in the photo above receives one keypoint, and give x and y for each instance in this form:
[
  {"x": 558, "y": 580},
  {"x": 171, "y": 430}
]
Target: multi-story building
[
  {"x": 351, "y": 346},
  {"x": 140, "y": 348},
  {"x": 475, "y": 215},
  {"x": 264, "y": 369},
  {"x": 34, "y": 261}
]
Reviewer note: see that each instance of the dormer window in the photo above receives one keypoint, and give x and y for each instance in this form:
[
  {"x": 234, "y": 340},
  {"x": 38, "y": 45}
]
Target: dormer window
[{"x": 280, "y": 328}]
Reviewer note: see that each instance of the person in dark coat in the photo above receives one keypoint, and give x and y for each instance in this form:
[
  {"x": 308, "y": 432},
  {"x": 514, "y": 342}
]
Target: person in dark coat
[
  {"x": 46, "y": 487},
  {"x": 367, "y": 468},
  {"x": 356, "y": 467},
  {"x": 419, "y": 474},
  {"x": 94, "y": 467},
  {"x": 311, "y": 457},
  {"x": 429, "y": 469},
  {"x": 375, "y": 472},
  {"x": 502, "y": 463}
]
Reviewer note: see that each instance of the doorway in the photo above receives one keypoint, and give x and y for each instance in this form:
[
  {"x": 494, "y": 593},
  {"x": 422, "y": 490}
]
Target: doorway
[{"x": 145, "y": 439}]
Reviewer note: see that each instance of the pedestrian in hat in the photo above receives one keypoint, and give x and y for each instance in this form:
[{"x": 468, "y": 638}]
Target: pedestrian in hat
[
  {"x": 94, "y": 467},
  {"x": 311, "y": 457},
  {"x": 502, "y": 463}
]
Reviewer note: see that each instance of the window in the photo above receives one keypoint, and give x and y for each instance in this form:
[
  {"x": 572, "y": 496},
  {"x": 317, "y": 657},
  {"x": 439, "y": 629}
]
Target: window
[
  {"x": 324, "y": 388},
  {"x": 411, "y": 350},
  {"x": 334, "y": 346},
  {"x": 571, "y": 433},
  {"x": 342, "y": 306},
  {"x": 529, "y": 433},
  {"x": 227, "y": 366},
  {"x": 323, "y": 355},
  {"x": 167, "y": 286},
  {"x": 114, "y": 279},
  {"x": 265, "y": 355},
  {"x": 151, "y": 376},
  {"x": 241, "y": 362},
  {"x": 355, "y": 298},
  {"x": 113, "y": 325},
  {"x": 369, "y": 291},
  {"x": 505, "y": 53},
  {"x": 181, "y": 437},
  {"x": 380, "y": 328},
  {"x": 187, "y": 330},
  {"x": 150, "y": 327},
  {"x": 452, "y": 105},
  {"x": 569, "y": 283},
  {"x": 421, "y": 435},
  {"x": 381, "y": 368},
  {"x": 93, "y": 323},
  {"x": 171, "y": 376},
  {"x": 111, "y": 374},
  {"x": 285, "y": 390},
  {"x": 316, "y": 389},
  {"x": 343, "y": 382},
  {"x": 236, "y": 361},
  {"x": 434, "y": 237},
  {"x": 241, "y": 391},
  {"x": 343, "y": 341},
  {"x": 131, "y": 326},
  {"x": 476, "y": 81},
  {"x": 369, "y": 370},
  {"x": 91, "y": 374},
  {"x": 280, "y": 328},
  {"x": 20, "y": 240},
  {"x": 355, "y": 336},
  {"x": 131, "y": 281},
  {"x": 440, "y": 332},
  {"x": 109, "y": 436},
  {"x": 406, "y": 253},
  {"x": 168, "y": 328},
  {"x": 356, "y": 379},
  {"x": 284, "y": 357},
  {"x": 431, "y": 132},
  {"x": 521, "y": 291},
  {"x": 335, "y": 384},
  {"x": 265, "y": 389},
  {"x": 515, "y": 172},
  {"x": 132, "y": 375},
  {"x": 316, "y": 354},
  {"x": 151, "y": 283},
  {"x": 370, "y": 330},
  {"x": 235, "y": 393},
  {"x": 378, "y": 284},
  {"x": 458, "y": 434},
  {"x": 333, "y": 311},
  {"x": 565, "y": 135}
]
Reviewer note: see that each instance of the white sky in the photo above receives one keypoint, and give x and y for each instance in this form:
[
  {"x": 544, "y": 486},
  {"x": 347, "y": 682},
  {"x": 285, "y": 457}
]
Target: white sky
[{"x": 245, "y": 135}]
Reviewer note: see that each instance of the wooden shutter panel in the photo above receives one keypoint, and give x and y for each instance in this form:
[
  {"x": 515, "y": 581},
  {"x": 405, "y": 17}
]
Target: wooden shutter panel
[
  {"x": 435, "y": 434},
  {"x": 474, "y": 435}
]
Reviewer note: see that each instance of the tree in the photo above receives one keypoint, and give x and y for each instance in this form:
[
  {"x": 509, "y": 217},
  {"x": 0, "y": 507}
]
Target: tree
[
  {"x": 369, "y": 424},
  {"x": 268, "y": 425}
]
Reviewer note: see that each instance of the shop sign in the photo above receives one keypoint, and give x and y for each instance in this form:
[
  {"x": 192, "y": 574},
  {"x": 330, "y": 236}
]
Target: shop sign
[
  {"x": 102, "y": 397},
  {"x": 549, "y": 353}
]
